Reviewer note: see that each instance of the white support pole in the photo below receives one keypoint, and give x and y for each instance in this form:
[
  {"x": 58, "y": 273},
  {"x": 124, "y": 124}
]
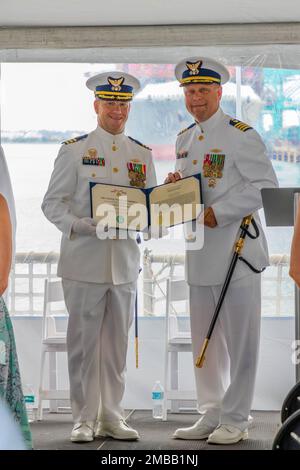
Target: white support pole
[{"x": 238, "y": 106}]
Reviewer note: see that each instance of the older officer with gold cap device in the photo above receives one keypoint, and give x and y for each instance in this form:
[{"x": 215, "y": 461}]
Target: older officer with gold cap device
[
  {"x": 99, "y": 276},
  {"x": 232, "y": 159}
]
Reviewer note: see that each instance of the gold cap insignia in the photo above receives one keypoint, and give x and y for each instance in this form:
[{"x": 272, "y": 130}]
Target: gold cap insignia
[
  {"x": 116, "y": 83},
  {"x": 194, "y": 67}
]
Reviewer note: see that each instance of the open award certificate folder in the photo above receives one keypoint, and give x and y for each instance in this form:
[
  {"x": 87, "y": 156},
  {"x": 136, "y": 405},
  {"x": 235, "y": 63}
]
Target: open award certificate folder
[{"x": 131, "y": 208}]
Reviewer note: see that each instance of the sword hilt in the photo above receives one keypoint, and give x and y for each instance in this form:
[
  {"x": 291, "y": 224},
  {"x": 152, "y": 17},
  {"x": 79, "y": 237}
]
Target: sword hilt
[{"x": 201, "y": 357}]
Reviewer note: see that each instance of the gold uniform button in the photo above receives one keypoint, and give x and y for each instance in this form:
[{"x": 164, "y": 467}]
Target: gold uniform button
[
  {"x": 195, "y": 162},
  {"x": 93, "y": 175},
  {"x": 115, "y": 169},
  {"x": 201, "y": 137}
]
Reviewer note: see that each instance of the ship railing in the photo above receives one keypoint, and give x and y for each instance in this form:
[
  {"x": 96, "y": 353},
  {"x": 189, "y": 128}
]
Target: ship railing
[{"x": 26, "y": 287}]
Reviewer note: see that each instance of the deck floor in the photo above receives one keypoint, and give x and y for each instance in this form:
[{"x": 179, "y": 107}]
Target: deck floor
[{"x": 54, "y": 433}]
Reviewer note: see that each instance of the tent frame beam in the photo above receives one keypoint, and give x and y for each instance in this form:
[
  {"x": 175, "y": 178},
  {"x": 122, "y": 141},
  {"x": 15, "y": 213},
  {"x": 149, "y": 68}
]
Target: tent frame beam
[{"x": 149, "y": 36}]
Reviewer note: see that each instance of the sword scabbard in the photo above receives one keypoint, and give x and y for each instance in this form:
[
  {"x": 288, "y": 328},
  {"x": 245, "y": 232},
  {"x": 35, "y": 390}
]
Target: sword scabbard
[{"x": 238, "y": 247}]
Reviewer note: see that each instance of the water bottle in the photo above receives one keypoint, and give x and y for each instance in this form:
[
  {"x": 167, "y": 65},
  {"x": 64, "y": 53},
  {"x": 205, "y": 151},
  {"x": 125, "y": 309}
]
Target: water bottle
[
  {"x": 29, "y": 398},
  {"x": 158, "y": 400}
]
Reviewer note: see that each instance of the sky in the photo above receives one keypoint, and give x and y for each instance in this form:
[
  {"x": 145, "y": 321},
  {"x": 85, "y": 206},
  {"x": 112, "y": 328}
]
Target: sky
[{"x": 47, "y": 96}]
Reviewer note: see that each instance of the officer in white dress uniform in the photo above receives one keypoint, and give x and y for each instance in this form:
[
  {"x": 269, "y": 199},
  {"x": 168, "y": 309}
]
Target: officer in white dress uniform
[
  {"x": 232, "y": 160},
  {"x": 99, "y": 275}
]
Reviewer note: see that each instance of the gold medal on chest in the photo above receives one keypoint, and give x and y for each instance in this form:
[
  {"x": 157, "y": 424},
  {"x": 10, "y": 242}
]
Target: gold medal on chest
[
  {"x": 136, "y": 173},
  {"x": 213, "y": 165}
]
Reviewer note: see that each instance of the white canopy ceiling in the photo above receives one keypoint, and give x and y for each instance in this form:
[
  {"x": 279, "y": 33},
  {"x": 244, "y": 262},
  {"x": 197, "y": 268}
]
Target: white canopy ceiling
[
  {"x": 238, "y": 32},
  {"x": 144, "y": 12}
]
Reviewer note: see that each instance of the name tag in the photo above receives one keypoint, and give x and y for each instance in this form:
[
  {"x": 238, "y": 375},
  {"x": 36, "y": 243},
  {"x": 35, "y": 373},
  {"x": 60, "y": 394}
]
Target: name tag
[{"x": 180, "y": 155}]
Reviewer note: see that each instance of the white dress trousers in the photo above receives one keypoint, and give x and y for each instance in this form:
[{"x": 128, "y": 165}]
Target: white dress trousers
[
  {"x": 225, "y": 383},
  {"x": 100, "y": 316}
]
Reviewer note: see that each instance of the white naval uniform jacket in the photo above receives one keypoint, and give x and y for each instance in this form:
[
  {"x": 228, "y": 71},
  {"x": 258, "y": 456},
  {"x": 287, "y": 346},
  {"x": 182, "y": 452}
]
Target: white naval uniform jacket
[
  {"x": 236, "y": 194},
  {"x": 86, "y": 258}
]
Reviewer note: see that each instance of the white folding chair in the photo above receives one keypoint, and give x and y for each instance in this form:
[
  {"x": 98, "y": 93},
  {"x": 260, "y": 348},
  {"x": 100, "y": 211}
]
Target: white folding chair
[
  {"x": 53, "y": 341},
  {"x": 176, "y": 341}
]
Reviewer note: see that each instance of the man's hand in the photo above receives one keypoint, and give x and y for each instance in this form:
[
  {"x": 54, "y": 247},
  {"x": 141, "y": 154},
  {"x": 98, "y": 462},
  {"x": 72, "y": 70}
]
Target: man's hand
[
  {"x": 85, "y": 226},
  {"x": 207, "y": 217},
  {"x": 173, "y": 177}
]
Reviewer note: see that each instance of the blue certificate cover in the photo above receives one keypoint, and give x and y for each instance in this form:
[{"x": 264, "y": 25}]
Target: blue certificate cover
[{"x": 165, "y": 205}]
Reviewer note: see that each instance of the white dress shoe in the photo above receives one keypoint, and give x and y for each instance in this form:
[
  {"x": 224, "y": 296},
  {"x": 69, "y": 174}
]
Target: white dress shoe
[
  {"x": 198, "y": 431},
  {"x": 227, "y": 434},
  {"x": 120, "y": 430},
  {"x": 83, "y": 432}
]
